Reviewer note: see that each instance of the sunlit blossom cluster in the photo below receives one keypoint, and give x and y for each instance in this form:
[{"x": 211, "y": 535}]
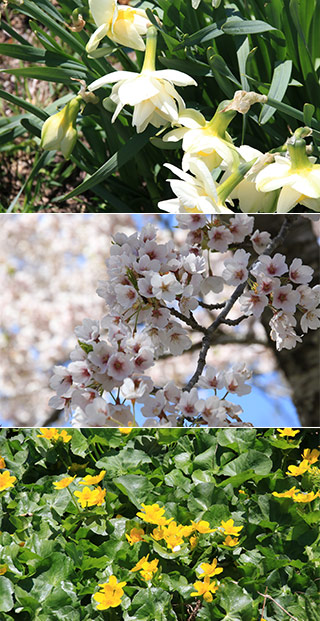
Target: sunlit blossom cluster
[
  {"x": 306, "y": 466},
  {"x": 219, "y": 172},
  {"x": 153, "y": 291},
  {"x": 87, "y": 497},
  {"x": 48, "y": 268}
]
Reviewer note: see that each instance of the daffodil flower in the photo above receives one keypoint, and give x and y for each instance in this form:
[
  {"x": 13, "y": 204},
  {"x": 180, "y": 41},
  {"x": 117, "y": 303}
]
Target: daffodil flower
[
  {"x": 123, "y": 25},
  {"x": 250, "y": 199},
  {"x": 59, "y": 132},
  {"x": 200, "y": 193},
  {"x": 207, "y": 140},
  {"x": 151, "y": 92},
  {"x": 297, "y": 175}
]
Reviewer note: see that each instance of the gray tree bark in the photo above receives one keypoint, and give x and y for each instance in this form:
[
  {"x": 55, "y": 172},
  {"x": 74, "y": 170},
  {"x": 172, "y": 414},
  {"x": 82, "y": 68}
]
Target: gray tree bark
[{"x": 300, "y": 365}]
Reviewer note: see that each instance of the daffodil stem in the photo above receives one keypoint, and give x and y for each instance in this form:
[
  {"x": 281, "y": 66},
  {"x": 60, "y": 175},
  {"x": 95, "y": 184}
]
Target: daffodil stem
[
  {"x": 149, "y": 63},
  {"x": 298, "y": 155}
]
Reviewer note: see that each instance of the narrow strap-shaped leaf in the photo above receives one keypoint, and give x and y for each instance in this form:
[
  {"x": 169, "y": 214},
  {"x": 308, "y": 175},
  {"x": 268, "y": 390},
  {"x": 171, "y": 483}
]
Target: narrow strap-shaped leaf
[
  {"x": 25, "y": 105},
  {"x": 125, "y": 153},
  {"x": 42, "y": 161},
  {"x": 53, "y": 74},
  {"x": 236, "y": 26},
  {"x": 279, "y": 84}
]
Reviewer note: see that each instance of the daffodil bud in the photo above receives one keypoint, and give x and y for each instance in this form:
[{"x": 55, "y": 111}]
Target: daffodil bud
[{"x": 59, "y": 132}]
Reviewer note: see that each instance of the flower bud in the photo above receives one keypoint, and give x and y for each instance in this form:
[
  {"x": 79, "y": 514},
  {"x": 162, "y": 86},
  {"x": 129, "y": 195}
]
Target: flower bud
[{"x": 59, "y": 132}]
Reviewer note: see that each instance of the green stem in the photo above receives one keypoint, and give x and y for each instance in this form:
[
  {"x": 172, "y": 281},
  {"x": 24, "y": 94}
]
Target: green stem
[
  {"x": 149, "y": 63},
  {"x": 74, "y": 501}
]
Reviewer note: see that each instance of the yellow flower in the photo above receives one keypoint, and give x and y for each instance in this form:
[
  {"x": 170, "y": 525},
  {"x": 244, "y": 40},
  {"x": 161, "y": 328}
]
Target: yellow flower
[
  {"x": 158, "y": 533},
  {"x": 3, "y": 569},
  {"x": 297, "y": 470},
  {"x": 125, "y": 430},
  {"x": 136, "y": 534},
  {"x": 97, "y": 496},
  {"x": 110, "y": 594},
  {"x": 90, "y": 497},
  {"x": 173, "y": 535},
  {"x": 50, "y": 433},
  {"x": 210, "y": 569},
  {"x": 2, "y": 463},
  {"x": 287, "y": 431},
  {"x": 153, "y": 514},
  {"x": 140, "y": 563},
  {"x": 203, "y": 527},
  {"x": 65, "y": 436},
  {"x": 231, "y": 541},
  {"x": 59, "y": 132},
  {"x": 193, "y": 541},
  {"x": 305, "y": 496},
  {"x": 288, "y": 494},
  {"x": 64, "y": 482},
  {"x": 205, "y": 588},
  {"x": 124, "y": 25},
  {"x": 6, "y": 480},
  {"x": 311, "y": 456},
  {"x": 89, "y": 480},
  {"x": 229, "y": 528},
  {"x": 149, "y": 569}
]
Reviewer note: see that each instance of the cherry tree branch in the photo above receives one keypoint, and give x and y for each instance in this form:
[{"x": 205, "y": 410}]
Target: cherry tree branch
[{"x": 207, "y": 339}]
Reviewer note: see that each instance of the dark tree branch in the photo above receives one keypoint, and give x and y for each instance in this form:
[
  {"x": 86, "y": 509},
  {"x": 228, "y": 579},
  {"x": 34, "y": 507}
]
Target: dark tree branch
[
  {"x": 190, "y": 321},
  {"x": 206, "y": 341}
]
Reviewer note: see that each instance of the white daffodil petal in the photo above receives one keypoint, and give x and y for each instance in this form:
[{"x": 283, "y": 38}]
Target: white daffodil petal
[
  {"x": 191, "y": 118},
  {"x": 134, "y": 92},
  {"x": 142, "y": 115},
  {"x": 102, "y": 10},
  {"x": 177, "y": 77},
  {"x": 308, "y": 183},
  {"x": 110, "y": 78},
  {"x": 273, "y": 176},
  {"x": 184, "y": 176},
  {"x": 172, "y": 205},
  {"x": 185, "y": 192},
  {"x": 96, "y": 37},
  {"x": 175, "y": 135},
  {"x": 311, "y": 203},
  {"x": 287, "y": 200},
  {"x": 125, "y": 33}
]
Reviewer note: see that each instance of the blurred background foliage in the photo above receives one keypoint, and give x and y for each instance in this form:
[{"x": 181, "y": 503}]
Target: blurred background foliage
[{"x": 271, "y": 47}]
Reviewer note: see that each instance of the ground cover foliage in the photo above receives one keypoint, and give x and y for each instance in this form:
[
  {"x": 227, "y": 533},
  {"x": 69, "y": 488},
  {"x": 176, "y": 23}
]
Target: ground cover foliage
[
  {"x": 54, "y": 553},
  {"x": 271, "y": 48}
]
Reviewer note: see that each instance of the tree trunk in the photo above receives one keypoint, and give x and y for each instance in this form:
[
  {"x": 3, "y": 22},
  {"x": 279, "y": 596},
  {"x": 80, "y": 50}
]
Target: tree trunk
[{"x": 300, "y": 365}]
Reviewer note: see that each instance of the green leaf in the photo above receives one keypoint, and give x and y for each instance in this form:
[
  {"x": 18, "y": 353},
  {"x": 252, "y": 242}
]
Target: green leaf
[
  {"x": 79, "y": 443},
  {"x": 53, "y": 74},
  {"x": 279, "y": 84},
  {"x": 6, "y": 590},
  {"x": 125, "y": 154},
  {"x": 236, "y": 602},
  {"x": 252, "y": 459},
  {"x": 236, "y": 26},
  {"x": 135, "y": 486}
]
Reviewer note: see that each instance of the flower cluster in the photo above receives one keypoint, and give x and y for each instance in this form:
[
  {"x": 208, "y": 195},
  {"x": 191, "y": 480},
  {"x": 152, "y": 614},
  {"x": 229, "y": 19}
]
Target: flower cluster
[
  {"x": 306, "y": 466},
  {"x": 86, "y": 497},
  {"x": 153, "y": 291},
  {"x": 220, "y": 172},
  {"x": 51, "y": 433}
]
